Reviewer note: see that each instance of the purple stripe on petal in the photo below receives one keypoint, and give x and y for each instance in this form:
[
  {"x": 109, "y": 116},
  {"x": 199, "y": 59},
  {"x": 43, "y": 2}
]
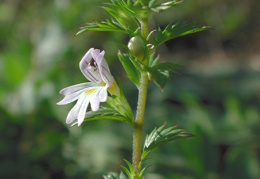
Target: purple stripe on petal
[
  {"x": 104, "y": 70},
  {"x": 84, "y": 63},
  {"x": 85, "y": 71},
  {"x": 106, "y": 73},
  {"x": 88, "y": 72}
]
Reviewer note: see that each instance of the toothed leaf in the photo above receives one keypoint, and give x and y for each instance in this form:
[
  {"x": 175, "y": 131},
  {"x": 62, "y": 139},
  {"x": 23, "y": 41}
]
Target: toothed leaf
[
  {"x": 164, "y": 6},
  {"x": 161, "y": 73},
  {"x": 160, "y": 136},
  {"x": 132, "y": 73},
  {"x": 104, "y": 26},
  {"x": 176, "y": 30},
  {"x": 124, "y": 15}
]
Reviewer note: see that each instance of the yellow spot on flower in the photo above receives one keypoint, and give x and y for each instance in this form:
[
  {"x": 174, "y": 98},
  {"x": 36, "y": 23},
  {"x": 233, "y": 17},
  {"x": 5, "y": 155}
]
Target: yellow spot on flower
[
  {"x": 102, "y": 83},
  {"x": 90, "y": 91}
]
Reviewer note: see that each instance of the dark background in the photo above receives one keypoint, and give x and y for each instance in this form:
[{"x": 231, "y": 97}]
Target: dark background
[{"x": 216, "y": 96}]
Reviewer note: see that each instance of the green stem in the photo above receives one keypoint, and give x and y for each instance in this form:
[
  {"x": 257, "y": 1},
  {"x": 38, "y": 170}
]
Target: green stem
[
  {"x": 139, "y": 120},
  {"x": 144, "y": 27},
  {"x": 138, "y": 125}
]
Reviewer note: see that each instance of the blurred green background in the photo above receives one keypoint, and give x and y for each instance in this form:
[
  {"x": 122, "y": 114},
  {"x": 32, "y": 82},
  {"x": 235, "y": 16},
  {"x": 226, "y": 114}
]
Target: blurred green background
[{"x": 216, "y": 96}]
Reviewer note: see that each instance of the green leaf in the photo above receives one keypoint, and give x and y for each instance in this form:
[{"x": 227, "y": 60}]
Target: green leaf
[
  {"x": 141, "y": 173},
  {"x": 152, "y": 3},
  {"x": 160, "y": 136},
  {"x": 114, "y": 175},
  {"x": 111, "y": 175},
  {"x": 121, "y": 105},
  {"x": 160, "y": 79},
  {"x": 108, "y": 25},
  {"x": 152, "y": 60},
  {"x": 122, "y": 6},
  {"x": 104, "y": 113},
  {"x": 164, "y": 6},
  {"x": 130, "y": 170},
  {"x": 177, "y": 30},
  {"x": 123, "y": 14},
  {"x": 161, "y": 73},
  {"x": 132, "y": 73}
]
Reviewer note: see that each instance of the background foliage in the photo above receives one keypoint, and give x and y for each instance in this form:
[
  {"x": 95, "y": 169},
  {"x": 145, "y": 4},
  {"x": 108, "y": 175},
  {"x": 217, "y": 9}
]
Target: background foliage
[{"x": 216, "y": 96}]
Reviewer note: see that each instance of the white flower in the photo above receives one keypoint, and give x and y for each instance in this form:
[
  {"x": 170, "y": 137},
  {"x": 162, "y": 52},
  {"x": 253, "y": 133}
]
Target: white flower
[{"x": 94, "y": 67}]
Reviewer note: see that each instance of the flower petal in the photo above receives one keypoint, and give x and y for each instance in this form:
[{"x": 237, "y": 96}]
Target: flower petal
[
  {"x": 70, "y": 97},
  {"x": 76, "y": 88},
  {"x": 73, "y": 114},
  {"x": 103, "y": 94},
  {"x": 97, "y": 55},
  {"x": 94, "y": 97},
  {"x": 94, "y": 101},
  {"x": 104, "y": 69},
  {"x": 82, "y": 111},
  {"x": 85, "y": 66}
]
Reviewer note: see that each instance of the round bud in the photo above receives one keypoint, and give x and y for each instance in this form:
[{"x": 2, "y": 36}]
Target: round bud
[{"x": 136, "y": 47}]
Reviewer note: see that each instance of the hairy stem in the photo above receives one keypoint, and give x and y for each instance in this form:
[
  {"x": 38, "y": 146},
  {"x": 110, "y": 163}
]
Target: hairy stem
[
  {"x": 138, "y": 126},
  {"x": 144, "y": 27},
  {"x": 139, "y": 120}
]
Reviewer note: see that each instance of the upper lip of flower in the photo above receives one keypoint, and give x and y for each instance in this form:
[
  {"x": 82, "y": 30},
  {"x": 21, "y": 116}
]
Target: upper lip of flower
[{"x": 95, "y": 69}]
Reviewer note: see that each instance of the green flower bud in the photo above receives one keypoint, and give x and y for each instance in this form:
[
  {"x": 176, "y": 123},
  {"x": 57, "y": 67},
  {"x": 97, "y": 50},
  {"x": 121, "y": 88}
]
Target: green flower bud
[{"x": 136, "y": 47}]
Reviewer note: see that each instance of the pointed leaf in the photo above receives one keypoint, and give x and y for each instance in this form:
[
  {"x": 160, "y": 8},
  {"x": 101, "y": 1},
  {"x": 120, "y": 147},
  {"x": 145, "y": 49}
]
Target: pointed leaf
[
  {"x": 160, "y": 136},
  {"x": 104, "y": 113},
  {"x": 121, "y": 105},
  {"x": 123, "y": 14},
  {"x": 141, "y": 173},
  {"x": 153, "y": 61},
  {"x": 132, "y": 73},
  {"x": 126, "y": 171},
  {"x": 177, "y": 30},
  {"x": 104, "y": 26},
  {"x": 161, "y": 73},
  {"x": 130, "y": 170},
  {"x": 111, "y": 175},
  {"x": 165, "y": 6},
  {"x": 152, "y": 3}
]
